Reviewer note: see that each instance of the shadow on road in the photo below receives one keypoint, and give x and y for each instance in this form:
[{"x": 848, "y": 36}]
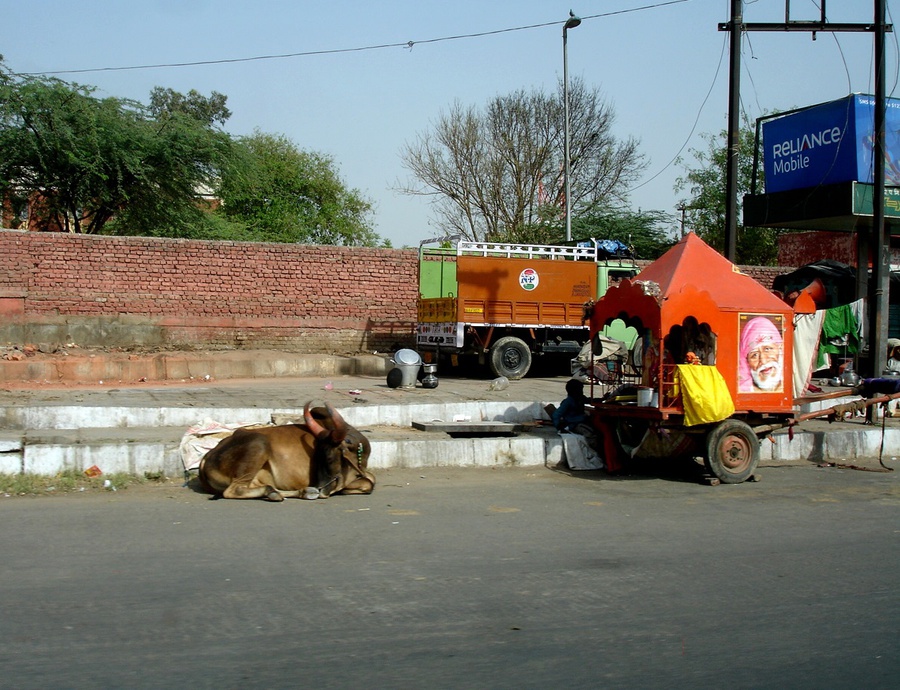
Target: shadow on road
[{"x": 679, "y": 470}]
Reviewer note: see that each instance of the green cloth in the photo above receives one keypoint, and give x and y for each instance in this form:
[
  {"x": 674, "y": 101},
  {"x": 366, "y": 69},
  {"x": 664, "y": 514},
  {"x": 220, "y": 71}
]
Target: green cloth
[{"x": 839, "y": 324}]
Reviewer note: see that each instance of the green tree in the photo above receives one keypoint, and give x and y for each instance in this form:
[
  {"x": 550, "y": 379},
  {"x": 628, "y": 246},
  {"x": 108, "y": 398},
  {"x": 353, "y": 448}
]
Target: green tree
[
  {"x": 280, "y": 193},
  {"x": 496, "y": 174},
  {"x": 644, "y": 232},
  {"x": 88, "y": 160},
  {"x": 705, "y": 205},
  {"x": 207, "y": 109}
]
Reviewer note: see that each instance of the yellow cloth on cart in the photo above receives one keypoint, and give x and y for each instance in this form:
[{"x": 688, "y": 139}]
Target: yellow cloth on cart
[{"x": 704, "y": 394}]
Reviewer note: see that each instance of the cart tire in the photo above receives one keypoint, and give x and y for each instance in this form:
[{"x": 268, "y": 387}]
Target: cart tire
[
  {"x": 510, "y": 357},
  {"x": 732, "y": 451}
]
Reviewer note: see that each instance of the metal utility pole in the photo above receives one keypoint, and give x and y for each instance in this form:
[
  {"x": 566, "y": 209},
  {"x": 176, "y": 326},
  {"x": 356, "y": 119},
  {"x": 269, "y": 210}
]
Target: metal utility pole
[
  {"x": 879, "y": 291},
  {"x": 878, "y": 287},
  {"x": 571, "y": 23},
  {"x": 732, "y": 159}
]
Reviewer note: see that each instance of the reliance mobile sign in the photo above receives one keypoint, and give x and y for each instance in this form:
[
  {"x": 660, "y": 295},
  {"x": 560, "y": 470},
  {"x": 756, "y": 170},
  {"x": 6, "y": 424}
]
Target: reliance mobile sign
[{"x": 829, "y": 143}]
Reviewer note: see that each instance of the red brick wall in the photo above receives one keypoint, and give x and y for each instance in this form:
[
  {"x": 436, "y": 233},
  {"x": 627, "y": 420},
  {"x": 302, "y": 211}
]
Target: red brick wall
[
  {"x": 765, "y": 275},
  {"x": 134, "y": 291},
  {"x": 801, "y": 248},
  {"x": 131, "y": 292}
]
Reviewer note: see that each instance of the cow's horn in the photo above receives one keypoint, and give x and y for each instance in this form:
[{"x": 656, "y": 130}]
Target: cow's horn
[
  {"x": 317, "y": 429},
  {"x": 340, "y": 426}
]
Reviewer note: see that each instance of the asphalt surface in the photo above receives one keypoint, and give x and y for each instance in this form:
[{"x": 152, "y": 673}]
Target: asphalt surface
[
  {"x": 461, "y": 578},
  {"x": 449, "y": 577}
]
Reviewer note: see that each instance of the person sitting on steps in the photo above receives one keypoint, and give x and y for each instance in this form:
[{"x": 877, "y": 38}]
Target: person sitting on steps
[{"x": 571, "y": 416}]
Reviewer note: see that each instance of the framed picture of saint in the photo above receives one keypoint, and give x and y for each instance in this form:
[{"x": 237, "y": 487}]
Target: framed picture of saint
[{"x": 761, "y": 353}]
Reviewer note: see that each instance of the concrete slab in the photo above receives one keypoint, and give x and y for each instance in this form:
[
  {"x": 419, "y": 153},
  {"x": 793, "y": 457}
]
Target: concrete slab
[{"x": 470, "y": 428}]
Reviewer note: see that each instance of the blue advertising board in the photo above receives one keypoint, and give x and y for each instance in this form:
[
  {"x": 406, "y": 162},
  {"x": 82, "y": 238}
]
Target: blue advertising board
[{"x": 829, "y": 143}]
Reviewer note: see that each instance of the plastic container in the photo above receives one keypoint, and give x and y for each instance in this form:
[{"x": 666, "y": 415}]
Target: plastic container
[
  {"x": 644, "y": 397},
  {"x": 408, "y": 362},
  {"x": 501, "y": 383}
]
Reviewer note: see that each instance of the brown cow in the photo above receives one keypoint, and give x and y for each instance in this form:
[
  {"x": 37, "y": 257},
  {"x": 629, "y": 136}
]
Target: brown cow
[{"x": 279, "y": 462}]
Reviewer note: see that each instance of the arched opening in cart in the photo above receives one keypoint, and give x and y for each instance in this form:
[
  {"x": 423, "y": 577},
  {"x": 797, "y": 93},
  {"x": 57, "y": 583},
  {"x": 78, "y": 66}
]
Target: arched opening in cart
[
  {"x": 689, "y": 342},
  {"x": 614, "y": 357}
]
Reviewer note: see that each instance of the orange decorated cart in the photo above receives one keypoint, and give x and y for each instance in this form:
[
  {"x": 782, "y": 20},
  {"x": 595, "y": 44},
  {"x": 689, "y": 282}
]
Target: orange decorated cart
[{"x": 711, "y": 368}]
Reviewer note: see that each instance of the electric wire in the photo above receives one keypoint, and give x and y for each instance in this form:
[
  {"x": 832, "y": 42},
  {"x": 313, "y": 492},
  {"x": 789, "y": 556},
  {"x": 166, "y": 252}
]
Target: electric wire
[
  {"x": 896, "y": 52},
  {"x": 687, "y": 139},
  {"x": 407, "y": 44}
]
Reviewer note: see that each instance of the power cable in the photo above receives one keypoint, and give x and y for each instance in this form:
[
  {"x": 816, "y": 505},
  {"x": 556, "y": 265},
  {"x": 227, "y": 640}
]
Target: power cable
[
  {"x": 696, "y": 121},
  {"x": 334, "y": 51},
  {"x": 896, "y": 52}
]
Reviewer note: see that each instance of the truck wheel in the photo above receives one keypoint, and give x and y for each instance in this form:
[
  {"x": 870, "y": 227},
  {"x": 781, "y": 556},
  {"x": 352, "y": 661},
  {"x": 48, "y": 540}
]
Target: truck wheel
[
  {"x": 510, "y": 357},
  {"x": 732, "y": 451}
]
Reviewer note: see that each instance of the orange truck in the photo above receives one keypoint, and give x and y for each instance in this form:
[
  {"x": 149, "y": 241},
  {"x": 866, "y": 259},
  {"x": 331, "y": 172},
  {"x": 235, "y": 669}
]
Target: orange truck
[{"x": 502, "y": 305}]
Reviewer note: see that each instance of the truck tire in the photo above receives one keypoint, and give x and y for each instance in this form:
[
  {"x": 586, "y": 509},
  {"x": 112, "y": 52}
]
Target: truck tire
[
  {"x": 732, "y": 451},
  {"x": 510, "y": 357}
]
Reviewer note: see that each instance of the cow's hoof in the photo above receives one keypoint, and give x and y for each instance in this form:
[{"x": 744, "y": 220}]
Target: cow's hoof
[{"x": 273, "y": 495}]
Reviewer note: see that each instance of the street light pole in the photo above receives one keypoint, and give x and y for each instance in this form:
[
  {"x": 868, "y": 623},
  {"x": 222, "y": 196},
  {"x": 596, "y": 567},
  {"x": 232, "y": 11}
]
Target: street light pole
[{"x": 571, "y": 23}]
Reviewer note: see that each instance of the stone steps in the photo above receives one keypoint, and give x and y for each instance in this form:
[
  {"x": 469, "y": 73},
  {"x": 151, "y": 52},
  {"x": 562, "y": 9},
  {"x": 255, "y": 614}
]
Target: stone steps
[
  {"x": 48, "y": 439},
  {"x": 85, "y": 367}
]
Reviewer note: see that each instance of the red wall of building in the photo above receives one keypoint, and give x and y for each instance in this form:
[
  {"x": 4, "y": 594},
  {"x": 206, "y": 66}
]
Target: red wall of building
[
  {"x": 135, "y": 291},
  {"x": 139, "y": 292},
  {"x": 801, "y": 248}
]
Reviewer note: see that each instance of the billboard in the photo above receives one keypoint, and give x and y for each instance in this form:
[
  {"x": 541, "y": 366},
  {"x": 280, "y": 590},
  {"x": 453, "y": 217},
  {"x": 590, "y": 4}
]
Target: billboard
[{"x": 829, "y": 143}]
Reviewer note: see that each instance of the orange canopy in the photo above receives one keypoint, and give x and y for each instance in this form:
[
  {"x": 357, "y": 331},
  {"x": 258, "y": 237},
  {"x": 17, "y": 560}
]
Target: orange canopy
[{"x": 694, "y": 284}]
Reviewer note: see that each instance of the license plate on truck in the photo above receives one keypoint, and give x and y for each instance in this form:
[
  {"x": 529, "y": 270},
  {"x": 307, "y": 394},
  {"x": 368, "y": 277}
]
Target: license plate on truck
[{"x": 448, "y": 334}]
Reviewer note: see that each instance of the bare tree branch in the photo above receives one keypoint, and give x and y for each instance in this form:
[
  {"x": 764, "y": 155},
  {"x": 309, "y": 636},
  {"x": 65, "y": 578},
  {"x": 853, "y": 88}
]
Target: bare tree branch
[{"x": 497, "y": 174}]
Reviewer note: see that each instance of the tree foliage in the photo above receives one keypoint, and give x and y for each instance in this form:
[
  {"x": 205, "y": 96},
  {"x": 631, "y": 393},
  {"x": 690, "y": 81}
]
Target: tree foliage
[
  {"x": 644, "y": 232},
  {"x": 283, "y": 194},
  {"x": 497, "y": 174},
  {"x": 87, "y": 160},
  {"x": 705, "y": 205},
  {"x": 209, "y": 110},
  {"x": 114, "y": 166}
]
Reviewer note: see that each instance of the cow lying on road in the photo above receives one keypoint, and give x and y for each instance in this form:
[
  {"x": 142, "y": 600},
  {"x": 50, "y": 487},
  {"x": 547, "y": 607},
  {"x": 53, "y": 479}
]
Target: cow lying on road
[{"x": 279, "y": 462}]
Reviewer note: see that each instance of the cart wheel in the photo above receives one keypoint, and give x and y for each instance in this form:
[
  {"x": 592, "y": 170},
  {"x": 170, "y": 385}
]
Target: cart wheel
[{"x": 732, "y": 451}]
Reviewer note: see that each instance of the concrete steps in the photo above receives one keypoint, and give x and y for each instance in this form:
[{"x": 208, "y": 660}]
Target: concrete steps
[
  {"x": 86, "y": 367},
  {"x": 139, "y": 430},
  {"x": 50, "y": 439}
]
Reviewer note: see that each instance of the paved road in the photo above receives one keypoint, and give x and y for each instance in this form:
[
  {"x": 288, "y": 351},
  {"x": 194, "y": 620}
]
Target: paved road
[{"x": 491, "y": 578}]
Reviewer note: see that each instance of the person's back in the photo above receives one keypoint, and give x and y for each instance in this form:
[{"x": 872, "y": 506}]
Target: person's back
[{"x": 570, "y": 412}]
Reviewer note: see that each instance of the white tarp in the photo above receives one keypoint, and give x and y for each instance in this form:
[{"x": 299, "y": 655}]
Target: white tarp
[
  {"x": 202, "y": 438},
  {"x": 578, "y": 454}
]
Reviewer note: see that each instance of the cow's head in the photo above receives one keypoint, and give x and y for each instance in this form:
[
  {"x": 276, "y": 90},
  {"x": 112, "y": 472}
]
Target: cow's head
[{"x": 341, "y": 453}]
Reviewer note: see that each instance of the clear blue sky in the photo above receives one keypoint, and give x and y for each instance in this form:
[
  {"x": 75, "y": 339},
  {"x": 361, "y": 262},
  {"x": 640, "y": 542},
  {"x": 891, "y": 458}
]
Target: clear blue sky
[{"x": 664, "y": 69}]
